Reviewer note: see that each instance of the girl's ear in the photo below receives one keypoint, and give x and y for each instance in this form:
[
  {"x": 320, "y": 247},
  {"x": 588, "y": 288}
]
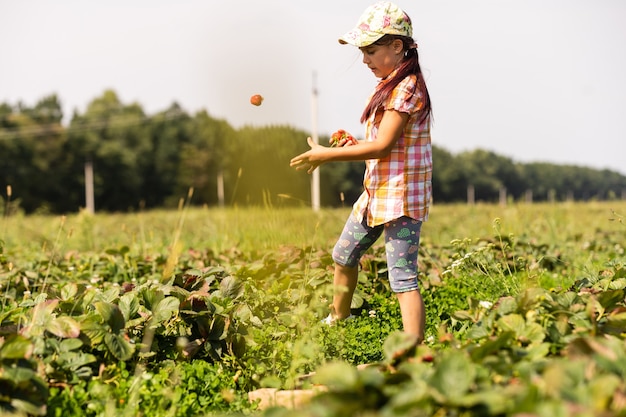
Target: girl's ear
[{"x": 398, "y": 46}]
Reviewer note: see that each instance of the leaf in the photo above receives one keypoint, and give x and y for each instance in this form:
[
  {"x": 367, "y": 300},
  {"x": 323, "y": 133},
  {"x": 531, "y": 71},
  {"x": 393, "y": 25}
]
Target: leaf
[
  {"x": 68, "y": 291},
  {"x": 339, "y": 376},
  {"x": 318, "y": 279},
  {"x": 491, "y": 346},
  {"x": 531, "y": 297},
  {"x": 129, "y": 305},
  {"x": 164, "y": 309},
  {"x": 537, "y": 352},
  {"x": 93, "y": 329},
  {"x": 409, "y": 400},
  {"x": 533, "y": 333},
  {"x": 31, "y": 408},
  {"x": 512, "y": 322},
  {"x": 398, "y": 344},
  {"x": 618, "y": 284},
  {"x": 602, "y": 389},
  {"x": 478, "y": 331},
  {"x": 617, "y": 321},
  {"x": 151, "y": 298},
  {"x": 42, "y": 315},
  {"x": 453, "y": 376},
  {"x": 256, "y": 322},
  {"x": 76, "y": 360},
  {"x": 587, "y": 345},
  {"x": 494, "y": 400},
  {"x": 506, "y": 305},
  {"x": 16, "y": 347},
  {"x": 610, "y": 299},
  {"x": 462, "y": 315},
  {"x": 566, "y": 299},
  {"x": 64, "y": 326},
  {"x": 70, "y": 344},
  {"x": 18, "y": 374},
  {"x": 108, "y": 296},
  {"x": 111, "y": 314},
  {"x": 119, "y": 347},
  {"x": 230, "y": 287},
  {"x": 357, "y": 301},
  {"x": 219, "y": 329},
  {"x": 243, "y": 313}
]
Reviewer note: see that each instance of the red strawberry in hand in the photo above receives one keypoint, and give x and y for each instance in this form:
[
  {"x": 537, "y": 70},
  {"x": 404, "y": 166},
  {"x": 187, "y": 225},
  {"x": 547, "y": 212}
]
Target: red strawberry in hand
[{"x": 340, "y": 135}]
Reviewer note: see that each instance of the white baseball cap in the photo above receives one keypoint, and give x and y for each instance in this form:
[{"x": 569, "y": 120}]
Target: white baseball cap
[{"x": 382, "y": 18}]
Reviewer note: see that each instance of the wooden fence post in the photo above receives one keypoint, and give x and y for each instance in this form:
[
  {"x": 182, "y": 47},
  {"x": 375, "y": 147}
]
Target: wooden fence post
[
  {"x": 503, "y": 196},
  {"x": 529, "y": 196}
]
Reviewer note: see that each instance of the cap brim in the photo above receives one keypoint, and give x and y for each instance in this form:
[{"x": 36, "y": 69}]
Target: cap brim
[{"x": 359, "y": 38}]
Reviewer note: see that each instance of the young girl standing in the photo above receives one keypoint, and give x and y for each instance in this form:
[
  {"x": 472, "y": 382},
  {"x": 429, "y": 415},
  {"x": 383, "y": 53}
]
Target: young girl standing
[{"x": 398, "y": 156}]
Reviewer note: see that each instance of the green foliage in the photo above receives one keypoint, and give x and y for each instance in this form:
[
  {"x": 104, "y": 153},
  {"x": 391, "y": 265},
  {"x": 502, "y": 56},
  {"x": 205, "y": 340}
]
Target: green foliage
[
  {"x": 520, "y": 357},
  {"x": 23, "y": 390},
  {"x": 113, "y": 333},
  {"x": 187, "y": 388}
]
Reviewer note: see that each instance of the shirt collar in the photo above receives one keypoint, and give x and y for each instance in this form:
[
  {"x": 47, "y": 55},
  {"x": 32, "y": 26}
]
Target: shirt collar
[{"x": 385, "y": 80}]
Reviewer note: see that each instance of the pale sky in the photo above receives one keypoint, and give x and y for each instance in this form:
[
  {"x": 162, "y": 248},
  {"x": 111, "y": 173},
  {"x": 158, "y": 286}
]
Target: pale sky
[{"x": 533, "y": 80}]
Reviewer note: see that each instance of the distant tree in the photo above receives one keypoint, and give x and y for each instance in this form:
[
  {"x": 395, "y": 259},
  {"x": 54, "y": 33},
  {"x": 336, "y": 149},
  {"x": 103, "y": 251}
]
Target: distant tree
[
  {"x": 259, "y": 170},
  {"x": 31, "y": 147},
  {"x": 152, "y": 161},
  {"x": 47, "y": 111},
  {"x": 204, "y": 159},
  {"x": 116, "y": 139},
  {"x": 572, "y": 182},
  {"x": 488, "y": 172},
  {"x": 342, "y": 179},
  {"x": 449, "y": 177},
  {"x": 170, "y": 132}
]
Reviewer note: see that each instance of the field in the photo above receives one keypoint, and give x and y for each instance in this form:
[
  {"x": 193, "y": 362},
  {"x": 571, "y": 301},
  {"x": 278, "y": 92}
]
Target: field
[{"x": 182, "y": 313}]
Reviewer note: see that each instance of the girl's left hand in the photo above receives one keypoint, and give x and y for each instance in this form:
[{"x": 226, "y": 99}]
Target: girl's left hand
[{"x": 310, "y": 159}]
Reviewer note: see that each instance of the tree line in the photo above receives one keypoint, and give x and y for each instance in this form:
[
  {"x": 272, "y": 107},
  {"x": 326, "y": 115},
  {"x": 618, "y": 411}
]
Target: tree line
[{"x": 152, "y": 161}]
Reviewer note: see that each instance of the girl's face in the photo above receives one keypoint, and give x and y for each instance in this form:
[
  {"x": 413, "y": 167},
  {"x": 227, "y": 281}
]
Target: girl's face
[{"x": 382, "y": 59}]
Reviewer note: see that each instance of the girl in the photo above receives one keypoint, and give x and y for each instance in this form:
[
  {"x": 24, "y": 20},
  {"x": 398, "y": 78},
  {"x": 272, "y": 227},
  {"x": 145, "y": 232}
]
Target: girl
[{"x": 398, "y": 156}]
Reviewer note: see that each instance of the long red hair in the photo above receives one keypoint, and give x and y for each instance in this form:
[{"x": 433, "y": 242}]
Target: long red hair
[{"x": 409, "y": 65}]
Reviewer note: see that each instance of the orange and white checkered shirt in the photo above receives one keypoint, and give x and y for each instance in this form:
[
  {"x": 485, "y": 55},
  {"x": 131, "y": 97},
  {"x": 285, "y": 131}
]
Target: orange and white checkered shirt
[{"x": 401, "y": 183}]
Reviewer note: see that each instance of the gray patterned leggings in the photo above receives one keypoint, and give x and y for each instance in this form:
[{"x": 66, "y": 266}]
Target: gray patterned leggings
[{"x": 402, "y": 238}]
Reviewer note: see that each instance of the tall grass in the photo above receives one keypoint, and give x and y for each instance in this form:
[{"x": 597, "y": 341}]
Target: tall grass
[{"x": 262, "y": 229}]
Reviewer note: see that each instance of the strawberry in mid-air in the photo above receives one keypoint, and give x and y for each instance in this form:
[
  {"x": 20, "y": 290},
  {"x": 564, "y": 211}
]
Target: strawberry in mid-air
[
  {"x": 336, "y": 137},
  {"x": 256, "y": 99}
]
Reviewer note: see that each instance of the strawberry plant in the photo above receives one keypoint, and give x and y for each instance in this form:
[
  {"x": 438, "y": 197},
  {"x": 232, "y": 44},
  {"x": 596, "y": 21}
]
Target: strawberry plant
[
  {"x": 22, "y": 389},
  {"x": 515, "y": 326}
]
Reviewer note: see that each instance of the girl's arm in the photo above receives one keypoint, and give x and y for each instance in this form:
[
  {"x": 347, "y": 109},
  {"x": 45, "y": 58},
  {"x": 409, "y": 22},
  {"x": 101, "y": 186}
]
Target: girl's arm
[{"x": 389, "y": 130}]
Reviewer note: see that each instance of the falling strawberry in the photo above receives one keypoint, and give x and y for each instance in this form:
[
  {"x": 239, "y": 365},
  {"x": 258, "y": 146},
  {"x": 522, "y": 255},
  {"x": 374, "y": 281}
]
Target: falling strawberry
[
  {"x": 256, "y": 99},
  {"x": 338, "y": 136}
]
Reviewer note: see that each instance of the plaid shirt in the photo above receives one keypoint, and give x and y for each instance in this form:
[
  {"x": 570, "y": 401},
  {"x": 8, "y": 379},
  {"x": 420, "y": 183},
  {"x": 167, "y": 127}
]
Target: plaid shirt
[{"x": 399, "y": 184}]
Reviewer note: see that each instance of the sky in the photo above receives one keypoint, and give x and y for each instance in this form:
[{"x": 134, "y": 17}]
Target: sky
[{"x": 532, "y": 80}]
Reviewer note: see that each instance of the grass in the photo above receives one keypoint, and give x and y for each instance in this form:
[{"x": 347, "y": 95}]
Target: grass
[
  {"x": 266, "y": 229},
  {"x": 565, "y": 231}
]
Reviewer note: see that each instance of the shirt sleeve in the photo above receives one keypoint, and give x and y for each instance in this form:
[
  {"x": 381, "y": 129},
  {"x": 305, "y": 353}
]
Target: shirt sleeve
[{"x": 406, "y": 97}]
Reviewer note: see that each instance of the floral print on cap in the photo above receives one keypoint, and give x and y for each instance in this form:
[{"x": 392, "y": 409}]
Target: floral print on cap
[{"x": 383, "y": 18}]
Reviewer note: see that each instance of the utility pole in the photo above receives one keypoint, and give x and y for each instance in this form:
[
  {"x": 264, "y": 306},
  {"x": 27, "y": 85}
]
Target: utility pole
[
  {"x": 90, "y": 204},
  {"x": 315, "y": 176}
]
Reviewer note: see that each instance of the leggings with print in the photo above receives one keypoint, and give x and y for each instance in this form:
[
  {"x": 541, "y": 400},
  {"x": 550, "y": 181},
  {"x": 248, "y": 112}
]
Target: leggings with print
[{"x": 402, "y": 237}]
